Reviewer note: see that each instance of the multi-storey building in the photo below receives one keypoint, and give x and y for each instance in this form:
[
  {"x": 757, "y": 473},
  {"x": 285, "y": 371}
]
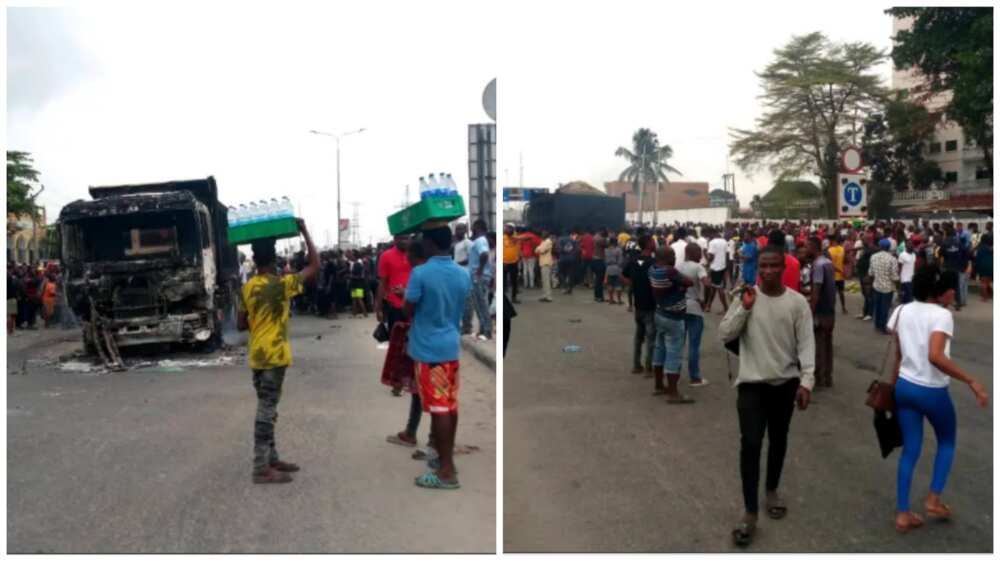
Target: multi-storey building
[{"x": 966, "y": 184}]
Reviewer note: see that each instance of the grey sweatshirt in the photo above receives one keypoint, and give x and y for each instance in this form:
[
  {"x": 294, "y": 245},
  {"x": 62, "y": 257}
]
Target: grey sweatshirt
[{"x": 775, "y": 335}]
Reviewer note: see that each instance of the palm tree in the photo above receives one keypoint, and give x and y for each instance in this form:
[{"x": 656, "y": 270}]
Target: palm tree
[{"x": 647, "y": 160}]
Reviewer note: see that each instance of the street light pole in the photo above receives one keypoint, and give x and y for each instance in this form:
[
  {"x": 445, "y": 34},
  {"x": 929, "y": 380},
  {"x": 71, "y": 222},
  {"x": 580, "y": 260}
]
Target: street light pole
[{"x": 337, "y": 137}]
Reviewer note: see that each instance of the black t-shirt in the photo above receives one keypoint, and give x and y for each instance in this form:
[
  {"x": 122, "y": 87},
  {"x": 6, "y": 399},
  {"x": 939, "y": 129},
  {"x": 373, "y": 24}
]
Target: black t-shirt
[
  {"x": 637, "y": 271},
  {"x": 955, "y": 258}
]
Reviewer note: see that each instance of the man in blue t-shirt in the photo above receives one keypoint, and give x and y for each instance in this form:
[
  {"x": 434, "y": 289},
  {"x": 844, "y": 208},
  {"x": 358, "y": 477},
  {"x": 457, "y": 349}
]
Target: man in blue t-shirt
[
  {"x": 749, "y": 251},
  {"x": 434, "y": 300},
  {"x": 479, "y": 257}
]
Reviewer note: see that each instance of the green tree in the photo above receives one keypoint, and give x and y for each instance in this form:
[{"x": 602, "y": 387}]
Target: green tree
[
  {"x": 893, "y": 146},
  {"x": 20, "y": 176},
  {"x": 816, "y": 95},
  {"x": 648, "y": 161},
  {"x": 953, "y": 49}
]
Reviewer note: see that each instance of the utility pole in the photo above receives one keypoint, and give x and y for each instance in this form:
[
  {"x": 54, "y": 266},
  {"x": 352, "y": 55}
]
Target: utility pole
[
  {"x": 337, "y": 138},
  {"x": 520, "y": 180}
]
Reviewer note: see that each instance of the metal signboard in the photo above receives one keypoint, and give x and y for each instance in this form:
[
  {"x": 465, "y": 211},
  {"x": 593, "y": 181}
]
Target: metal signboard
[{"x": 852, "y": 195}]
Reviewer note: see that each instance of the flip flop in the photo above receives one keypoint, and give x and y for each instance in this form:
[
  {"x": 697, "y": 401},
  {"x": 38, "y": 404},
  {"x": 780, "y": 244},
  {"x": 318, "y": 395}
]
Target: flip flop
[
  {"x": 777, "y": 510},
  {"x": 680, "y": 400},
  {"x": 915, "y": 522},
  {"x": 431, "y": 480},
  {"x": 940, "y": 513},
  {"x": 422, "y": 455},
  {"x": 743, "y": 534},
  {"x": 397, "y": 440}
]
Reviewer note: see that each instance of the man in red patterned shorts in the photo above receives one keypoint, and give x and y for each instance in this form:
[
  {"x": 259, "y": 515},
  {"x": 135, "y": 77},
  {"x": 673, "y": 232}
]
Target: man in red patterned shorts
[{"x": 434, "y": 300}]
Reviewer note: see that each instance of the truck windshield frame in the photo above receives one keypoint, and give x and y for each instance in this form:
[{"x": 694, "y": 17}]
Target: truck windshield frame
[{"x": 168, "y": 234}]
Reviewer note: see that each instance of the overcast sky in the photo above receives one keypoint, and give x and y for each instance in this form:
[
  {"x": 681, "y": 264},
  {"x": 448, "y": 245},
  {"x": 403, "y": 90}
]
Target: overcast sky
[
  {"x": 111, "y": 95},
  {"x": 686, "y": 73}
]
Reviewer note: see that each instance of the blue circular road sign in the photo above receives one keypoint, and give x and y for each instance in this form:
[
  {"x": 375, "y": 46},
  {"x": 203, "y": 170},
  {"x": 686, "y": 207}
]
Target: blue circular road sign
[{"x": 852, "y": 194}]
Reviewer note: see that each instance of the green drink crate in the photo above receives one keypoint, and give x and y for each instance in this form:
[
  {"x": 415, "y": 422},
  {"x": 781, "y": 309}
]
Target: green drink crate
[
  {"x": 411, "y": 218},
  {"x": 285, "y": 227}
]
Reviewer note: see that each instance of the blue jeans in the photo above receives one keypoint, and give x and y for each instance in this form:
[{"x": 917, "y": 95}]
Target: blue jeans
[
  {"x": 481, "y": 301},
  {"x": 883, "y": 302},
  {"x": 669, "y": 343},
  {"x": 963, "y": 289},
  {"x": 913, "y": 404},
  {"x": 906, "y": 292},
  {"x": 694, "y": 325}
]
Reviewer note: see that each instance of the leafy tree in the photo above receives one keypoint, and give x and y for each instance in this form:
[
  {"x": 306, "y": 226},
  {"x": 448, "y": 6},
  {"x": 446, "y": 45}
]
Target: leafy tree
[
  {"x": 953, "y": 49},
  {"x": 893, "y": 146},
  {"x": 648, "y": 161},
  {"x": 816, "y": 95},
  {"x": 20, "y": 177}
]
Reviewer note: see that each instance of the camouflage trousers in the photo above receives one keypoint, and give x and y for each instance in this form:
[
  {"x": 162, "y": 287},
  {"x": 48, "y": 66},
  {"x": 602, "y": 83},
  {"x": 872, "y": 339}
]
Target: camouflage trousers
[{"x": 267, "y": 383}]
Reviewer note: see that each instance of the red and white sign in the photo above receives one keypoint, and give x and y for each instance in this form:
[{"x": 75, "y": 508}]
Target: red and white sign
[{"x": 850, "y": 160}]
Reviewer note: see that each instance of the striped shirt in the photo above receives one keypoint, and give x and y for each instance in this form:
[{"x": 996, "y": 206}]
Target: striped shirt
[{"x": 668, "y": 290}]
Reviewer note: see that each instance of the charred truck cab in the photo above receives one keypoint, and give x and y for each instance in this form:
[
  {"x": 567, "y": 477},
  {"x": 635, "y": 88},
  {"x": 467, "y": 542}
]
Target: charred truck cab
[{"x": 149, "y": 264}]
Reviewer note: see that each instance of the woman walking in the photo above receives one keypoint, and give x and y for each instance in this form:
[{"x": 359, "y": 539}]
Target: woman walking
[
  {"x": 923, "y": 332},
  {"x": 614, "y": 261}
]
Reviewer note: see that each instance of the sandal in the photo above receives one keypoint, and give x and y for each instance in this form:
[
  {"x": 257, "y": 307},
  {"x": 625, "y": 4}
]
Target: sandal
[
  {"x": 431, "y": 480},
  {"x": 398, "y": 439},
  {"x": 914, "y": 521},
  {"x": 680, "y": 399},
  {"x": 777, "y": 509},
  {"x": 743, "y": 534},
  {"x": 939, "y": 512},
  {"x": 659, "y": 391}
]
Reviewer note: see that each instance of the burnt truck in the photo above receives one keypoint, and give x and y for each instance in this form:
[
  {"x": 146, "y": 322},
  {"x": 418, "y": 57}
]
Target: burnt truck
[{"x": 149, "y": 264}]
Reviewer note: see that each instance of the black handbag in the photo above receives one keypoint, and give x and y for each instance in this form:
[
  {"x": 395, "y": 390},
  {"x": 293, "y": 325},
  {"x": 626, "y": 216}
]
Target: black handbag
[
  {"x": 888, "y": 431},
  {"x": 381, "y": 333}
]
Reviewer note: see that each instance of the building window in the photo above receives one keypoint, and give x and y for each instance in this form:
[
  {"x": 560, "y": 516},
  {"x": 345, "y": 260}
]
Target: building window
[
  {"x": 983, "y": 173},
  {"x": 935, "y": 148},
  {"x": 951, "y": 177},
  {"x": 951, "y": 146}
]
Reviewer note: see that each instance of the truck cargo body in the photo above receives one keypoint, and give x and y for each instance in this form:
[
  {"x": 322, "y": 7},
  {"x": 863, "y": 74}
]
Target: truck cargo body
[{"x": 563, "y": 212}]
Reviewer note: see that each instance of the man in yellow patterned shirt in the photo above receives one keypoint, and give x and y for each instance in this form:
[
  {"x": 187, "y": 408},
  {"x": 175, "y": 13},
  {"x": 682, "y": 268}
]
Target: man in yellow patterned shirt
[{"x": 264, "y": 311}]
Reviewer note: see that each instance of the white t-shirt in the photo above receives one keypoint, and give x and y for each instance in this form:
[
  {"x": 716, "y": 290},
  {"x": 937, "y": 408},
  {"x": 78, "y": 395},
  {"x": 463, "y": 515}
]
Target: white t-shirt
[
  {"x": 917, "y": 321},
  {"x": 679, "y": 247},
  {"x": 700, "y": 240},
  {"x": 718, "y": 247},
  {"x": 462, "y": 250},
  {"x": 907, "y": 260},
  {"x": 731, "y": 248}
]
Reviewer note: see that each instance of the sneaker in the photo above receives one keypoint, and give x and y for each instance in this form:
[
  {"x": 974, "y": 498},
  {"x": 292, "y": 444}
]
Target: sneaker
[
  {"x": 699, "y": 382},
  {"x": 481, "y": 337},
  {"x": 860, "y": 317},
  {"x": 544, "y": 299},
  {"x": 867, "y": 318}
]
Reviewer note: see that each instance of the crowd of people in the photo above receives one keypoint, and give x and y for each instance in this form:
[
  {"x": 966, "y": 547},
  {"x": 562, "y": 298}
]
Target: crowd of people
[
  {"x": 422, "y": 288},
  {"x": 36, "y": 292},
  {"x": 779, "y": 285}
]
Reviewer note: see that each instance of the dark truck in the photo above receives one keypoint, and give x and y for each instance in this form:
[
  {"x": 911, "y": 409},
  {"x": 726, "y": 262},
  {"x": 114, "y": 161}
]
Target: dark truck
[
  {"x": 562, "y": 212},
  {"x": 148, "y": 264}
]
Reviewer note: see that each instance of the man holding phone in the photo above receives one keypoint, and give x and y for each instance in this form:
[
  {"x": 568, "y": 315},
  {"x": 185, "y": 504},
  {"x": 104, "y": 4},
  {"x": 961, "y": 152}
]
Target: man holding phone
[{"x": 777, "y": 361}]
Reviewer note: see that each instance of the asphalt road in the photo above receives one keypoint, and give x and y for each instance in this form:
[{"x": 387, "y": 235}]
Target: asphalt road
[
  {"x": 158, "y": 460},
  {"x": 594, "y": 463}
]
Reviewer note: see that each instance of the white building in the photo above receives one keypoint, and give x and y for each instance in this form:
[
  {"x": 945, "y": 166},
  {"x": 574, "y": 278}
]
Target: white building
[{"x": 962, "y": 163}]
